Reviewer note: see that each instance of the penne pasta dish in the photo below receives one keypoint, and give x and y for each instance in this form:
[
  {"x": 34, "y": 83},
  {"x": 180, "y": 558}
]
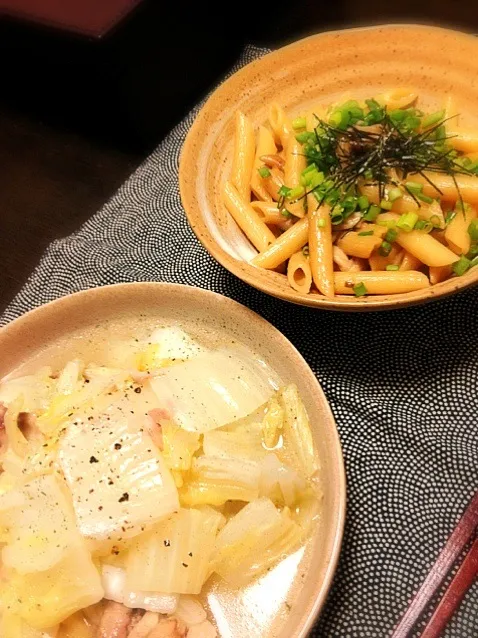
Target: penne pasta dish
[
  {"x": 370, "y": 197},
  {"x": 135, "y": 477}
]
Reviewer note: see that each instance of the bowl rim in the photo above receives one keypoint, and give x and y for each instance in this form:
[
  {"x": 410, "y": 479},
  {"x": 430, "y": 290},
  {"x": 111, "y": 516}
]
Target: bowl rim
[
  {"x": 28, "y": 320},
  {"x": 341, "y": 302}
]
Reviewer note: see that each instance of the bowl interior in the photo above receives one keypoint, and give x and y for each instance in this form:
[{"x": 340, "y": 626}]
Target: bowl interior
[
  {"x": 66, "y": 327},
  {"x": 317, "y": 70}
]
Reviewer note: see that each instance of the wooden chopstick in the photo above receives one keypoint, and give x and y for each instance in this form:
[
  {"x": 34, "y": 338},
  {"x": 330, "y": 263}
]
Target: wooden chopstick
[
  {"x": 463, "y": 580},
  {"x": 463, "y": 532}
]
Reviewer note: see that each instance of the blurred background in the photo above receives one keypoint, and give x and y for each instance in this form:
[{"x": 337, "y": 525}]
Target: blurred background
[{"x": 89, "y": 88}]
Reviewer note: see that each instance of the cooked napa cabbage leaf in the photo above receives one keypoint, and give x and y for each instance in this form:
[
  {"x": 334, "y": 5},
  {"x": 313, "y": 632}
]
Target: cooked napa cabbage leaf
[
  {"x": 12, "y": 626},
  {"x": 280, "y": 483},
  {"x": 298, "y": 441},
  {"x": 179, "y": 446},
  {"x": 174, "y": 556},
  {"x": 214, "y": 480},
  {"x": 213, "y": 389},
  {"x": 118, "y": 478},
  {"x": 167, "y": 346},
  {"x": 272, "y": 423},
  {"x": 253, "y": 540},
  {"x": 44, "y": 599},
  {"x": 41, "y": 526},
  {"x": 242, "y": 442},
  {"x": 36, "y": 390}
]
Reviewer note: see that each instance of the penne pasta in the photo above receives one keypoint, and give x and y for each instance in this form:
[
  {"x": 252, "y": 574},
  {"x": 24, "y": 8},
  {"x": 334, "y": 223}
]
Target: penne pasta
[
  {"x": 355, "y": 245},
  {"x": 270, "y": 214},
  {"x": 280, "y": 124},
  {"x": 265, "y": 146},
  {"x": 247, "y": 219},
  {"x": 456, "y": 233},
  {"x": 320, "y": 246},
  {"x": 295, "y": 163},
  {"x": 399, "y": 98},
  {"x": 463, "y": 139},
  {"x": 380, "y": 262},
  {"x": 284, "y": 246},
  {"x": 243, "y": 159},
  {"x": 274, "y": 183},
  {"x": 406, "y": 204},
  {"x": 410, "y": 262},
  {"x": 426, "y": 248},
  {"x": 447, "y": 188},
  {"x": 439, "y": 274},
  {"x": 299, "y": 274},
  {"x": 387, "y": 178},
  {"x": 380, "y": 282}
]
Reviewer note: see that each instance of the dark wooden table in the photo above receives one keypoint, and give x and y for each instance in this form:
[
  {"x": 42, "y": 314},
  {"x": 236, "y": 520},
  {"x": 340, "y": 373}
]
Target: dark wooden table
[{"x": 78, "y": 115}]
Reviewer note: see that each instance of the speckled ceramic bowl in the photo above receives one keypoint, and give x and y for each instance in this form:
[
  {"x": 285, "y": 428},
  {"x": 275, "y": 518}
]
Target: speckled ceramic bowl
[
  {"x": 436, "y": 62},
  {"x": 66, "y": 328}
]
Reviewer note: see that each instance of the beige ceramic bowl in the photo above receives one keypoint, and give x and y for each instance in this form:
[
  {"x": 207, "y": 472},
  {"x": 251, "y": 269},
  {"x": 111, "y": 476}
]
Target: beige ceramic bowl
[
  {"x": 436, "y": 62},
  {"x": 60, "y": 330}
]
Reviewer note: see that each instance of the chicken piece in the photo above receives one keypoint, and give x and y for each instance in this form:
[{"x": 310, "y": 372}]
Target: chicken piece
[
  {"x": 115, "y": 621},
  {"x": 169, "y": 628},
  {"x": 144, "y": 626},
  {"x": 27, "y": 424}
]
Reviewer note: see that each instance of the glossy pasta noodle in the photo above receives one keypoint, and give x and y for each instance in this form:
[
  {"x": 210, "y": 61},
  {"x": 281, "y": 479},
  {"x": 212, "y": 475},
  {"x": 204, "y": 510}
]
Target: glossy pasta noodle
[{"x": 358, "y": 198}]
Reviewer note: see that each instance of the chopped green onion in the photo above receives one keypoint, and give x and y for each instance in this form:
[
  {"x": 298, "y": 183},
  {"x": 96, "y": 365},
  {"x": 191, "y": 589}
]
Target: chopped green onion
[
  {"x": 473, "y": 252},
  {"x": 386, "y": 205},
  {"x": 372, "y": 213},
  {"x": 363, "y": 202},
  {"x": 433, "y": 118},
  {"x": 264, "y": 172},
  {"x": 394, "y": 194},
  {"x": 424, "y": 198},
  {"x": 321, "y": 223},
  {"x": 385, "y": 248},
  {"x": 436, "y": 221},
  {"x": 311, "y": 168},
  {"x": 407, "y": 222},
  {"x": 388, "y": 223},
  {"x": 305, "y": 249},
  {"x": 336, "y": 218},
  {"x": 365, "y": 233},
  {"x": 392, "y": 267},
  {"x": 349, "y": 204},
  {"x": 284, "y": 191},
  {"x": 304, "y": 137},
  {"x": 450, "y": 217},
  {"x": 359, "y": 289},
  {"x": 473, "y": 230},
  {"x": 299, "y": 122},
  {"x": 414, "y": 187},
  {"x": 461, "y": 266},
  {"x": 285, "y": 213},
  {"x": 473, "y": 263},
  {"x": 424, "y": 225},
  {"x": 296, "y": 192},
  {"x": 391, "y": 235}
]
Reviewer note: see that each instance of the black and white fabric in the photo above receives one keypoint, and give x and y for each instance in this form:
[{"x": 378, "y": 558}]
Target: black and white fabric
[{"x": 402, "y": 385}]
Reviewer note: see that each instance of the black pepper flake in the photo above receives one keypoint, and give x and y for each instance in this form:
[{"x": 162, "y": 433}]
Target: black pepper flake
[
  {"x": 137, "y": 390},
  {"x": 167, "y": 543},
  {"x": 110, "y": 482},
  {"x": 115, "y": 550},
  {"x": 190, "y": 554},
  {"x": 100, "y": 507},
  {"x": 87, "y": 380},
  {"x": 117, "y": 446},
  {"x": 93, "y": 459},
  {"x": 184, "y": 564},
  {"x": 92, "y": 490},
  {"x": 123, "y": 498}
]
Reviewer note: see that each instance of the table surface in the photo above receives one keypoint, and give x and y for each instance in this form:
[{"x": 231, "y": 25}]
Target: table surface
[{"x": 53, "y": 179}]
